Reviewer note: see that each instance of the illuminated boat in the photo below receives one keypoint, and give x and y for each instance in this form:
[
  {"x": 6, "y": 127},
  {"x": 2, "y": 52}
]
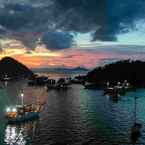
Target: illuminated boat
[
  {"x": 23, "y": 113},
  {"x": 120, "y": 89},
  {"x": 5, "y": 78}
]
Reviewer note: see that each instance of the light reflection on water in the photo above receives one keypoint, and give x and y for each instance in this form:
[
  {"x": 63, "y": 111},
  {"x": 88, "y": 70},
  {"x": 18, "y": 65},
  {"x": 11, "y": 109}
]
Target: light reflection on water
[
  {"x": 74, "y": 117},
  {"x": 14, "y": 136},
  {"x": 19, "y": 134},
  {"x": 10, "y": 95}
]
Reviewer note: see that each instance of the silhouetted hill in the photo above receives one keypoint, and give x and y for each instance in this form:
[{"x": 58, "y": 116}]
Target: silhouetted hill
[
  {"x": 13, "y": 69},
  {"x": 133, "y": 71}
]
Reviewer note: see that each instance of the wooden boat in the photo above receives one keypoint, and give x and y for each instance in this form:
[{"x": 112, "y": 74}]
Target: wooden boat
[
  {"x": 18, "y": 114},
  {"x": 38, "y": 81},
  {"x": 120, "y": 89},
  {"x": 57, "y": 87},
  {"x": 23, "y": 113},
  {"x": 5, "y": 78},
  {"x": 61, "y": 84}
]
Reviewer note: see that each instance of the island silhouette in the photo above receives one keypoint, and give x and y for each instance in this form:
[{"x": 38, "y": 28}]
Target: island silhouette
[
  {"x": 131, "y": 70},
  {"x": 12, "y": 69}
]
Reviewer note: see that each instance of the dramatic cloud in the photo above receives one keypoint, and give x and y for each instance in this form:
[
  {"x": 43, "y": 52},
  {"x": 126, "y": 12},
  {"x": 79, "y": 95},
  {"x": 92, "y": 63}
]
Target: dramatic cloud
[
  {"x": 27, "y": 20},
  {"x": 57, "y": 40}
]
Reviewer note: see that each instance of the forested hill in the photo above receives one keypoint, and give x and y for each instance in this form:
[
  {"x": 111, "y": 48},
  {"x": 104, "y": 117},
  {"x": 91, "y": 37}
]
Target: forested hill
[
  {"x": 133, "y": 71},
  {"x": 13, "y": 69}
]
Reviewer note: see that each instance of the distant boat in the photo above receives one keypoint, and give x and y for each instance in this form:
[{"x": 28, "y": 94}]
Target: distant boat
[
  {"x": 62, "y": 83},
  {"x": 38, "y": 81},
  {"x": 23, "y": 113},
  {"x": 80, "y": 79},
  {"x": 57, "y": 87},
  {"x": 120, "y": 89},
  {"x": 5, "y": 78}
]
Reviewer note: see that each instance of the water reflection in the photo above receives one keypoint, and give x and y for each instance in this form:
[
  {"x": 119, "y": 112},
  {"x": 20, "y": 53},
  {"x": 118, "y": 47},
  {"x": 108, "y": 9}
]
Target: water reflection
[
  {"x": 14, "y": 136},
  {"x": 20, "y": 134},
  {"x": 75, "y": 117},
  {"x": 115, "y": 99},
  {"x": 9, "y": 96}
]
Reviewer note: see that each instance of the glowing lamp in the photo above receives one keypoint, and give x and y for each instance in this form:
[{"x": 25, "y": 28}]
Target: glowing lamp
[
  {"x": 8, "y": 109},
  {"x": 14, "y": 110},
  {"x": 22, "y": 95}
]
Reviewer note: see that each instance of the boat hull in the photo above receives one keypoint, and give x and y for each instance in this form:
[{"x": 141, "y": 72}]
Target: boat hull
[{"x": 27, "y": 117}]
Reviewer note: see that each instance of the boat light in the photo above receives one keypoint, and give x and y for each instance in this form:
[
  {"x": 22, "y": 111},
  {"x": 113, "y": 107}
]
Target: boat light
[
  {"x": 22, "y": 95},
  {"x": 14, "y": 110},
  {"x": 8, "y": 109}
]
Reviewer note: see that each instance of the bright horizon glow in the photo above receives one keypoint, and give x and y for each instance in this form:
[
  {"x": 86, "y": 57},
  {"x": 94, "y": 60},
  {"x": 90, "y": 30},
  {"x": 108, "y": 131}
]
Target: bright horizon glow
[{"x": 85, "y": 54}]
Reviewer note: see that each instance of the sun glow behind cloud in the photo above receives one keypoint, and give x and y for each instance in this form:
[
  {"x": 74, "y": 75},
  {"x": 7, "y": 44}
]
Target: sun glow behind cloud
[
  {"x": 85, "y": 54},
  {"x": 66, "y": 30}
]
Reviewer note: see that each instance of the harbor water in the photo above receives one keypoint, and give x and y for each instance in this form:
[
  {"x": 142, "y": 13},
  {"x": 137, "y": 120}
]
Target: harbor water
[{"x": 76, "y": 116}]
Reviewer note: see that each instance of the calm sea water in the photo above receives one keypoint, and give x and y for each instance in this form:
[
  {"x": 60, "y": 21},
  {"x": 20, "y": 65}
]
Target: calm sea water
[{"x": 74, "y": 117}]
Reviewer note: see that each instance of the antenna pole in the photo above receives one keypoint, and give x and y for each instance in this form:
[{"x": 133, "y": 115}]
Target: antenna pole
[
  {"x": 22, "y": 99},
  {"x": 135, "y": 106}
]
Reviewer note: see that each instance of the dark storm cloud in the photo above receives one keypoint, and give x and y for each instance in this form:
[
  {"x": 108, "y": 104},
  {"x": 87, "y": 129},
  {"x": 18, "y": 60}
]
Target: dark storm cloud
[
  {"x": 57, "y": 40},
  {"x": 15, "y": 16},
  {"x": 105, "y": 19}
]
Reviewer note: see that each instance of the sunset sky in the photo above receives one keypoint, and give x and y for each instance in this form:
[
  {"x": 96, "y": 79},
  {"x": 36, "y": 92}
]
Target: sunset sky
[{"x": 72, "y": 33}]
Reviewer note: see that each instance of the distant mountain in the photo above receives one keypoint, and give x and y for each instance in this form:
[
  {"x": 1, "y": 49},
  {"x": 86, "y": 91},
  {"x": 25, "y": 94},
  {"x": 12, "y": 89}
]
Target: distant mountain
[
  {"x": 61, "y": 70},
  {"x": 133, "y": 71},
  {"x": 11, "y": 68}
]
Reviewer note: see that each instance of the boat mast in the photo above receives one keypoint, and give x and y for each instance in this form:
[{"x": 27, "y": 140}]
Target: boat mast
[
  {"x": 135, "y": 107},
  {"x": 135, "y": 99},
  {"x": 22, "y": 99}
]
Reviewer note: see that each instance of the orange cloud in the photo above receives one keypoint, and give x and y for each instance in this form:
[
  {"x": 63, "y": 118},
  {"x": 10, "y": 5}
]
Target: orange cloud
[{"x": 67, "y": 58}]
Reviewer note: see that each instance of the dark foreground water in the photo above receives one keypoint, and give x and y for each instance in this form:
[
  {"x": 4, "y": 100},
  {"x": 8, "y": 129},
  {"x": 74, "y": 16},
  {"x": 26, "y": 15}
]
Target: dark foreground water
[{"x": 73, "y": 117}]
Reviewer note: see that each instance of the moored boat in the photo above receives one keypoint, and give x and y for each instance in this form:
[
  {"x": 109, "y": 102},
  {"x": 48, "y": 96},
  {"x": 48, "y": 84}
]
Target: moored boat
[
  {"x": 120, "y": 89},
  {"x": 61, "y": 84},
  {"x": 23, "y": 113},
  {"x": 38, "y": 81},
  {"x": 5, "y": 78},
  {"x": 19, "y": 113}
]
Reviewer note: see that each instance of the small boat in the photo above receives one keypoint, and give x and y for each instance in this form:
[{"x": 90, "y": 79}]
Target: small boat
[
  {"x": 23, "y": 113},
  {"x": 5, "y": 78},
  {"x": 38, "y": 81},
  {"x": 120, "y": 89},
  {"x": 78, "y": 80},
  {"x": 61, "y": 84}
]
